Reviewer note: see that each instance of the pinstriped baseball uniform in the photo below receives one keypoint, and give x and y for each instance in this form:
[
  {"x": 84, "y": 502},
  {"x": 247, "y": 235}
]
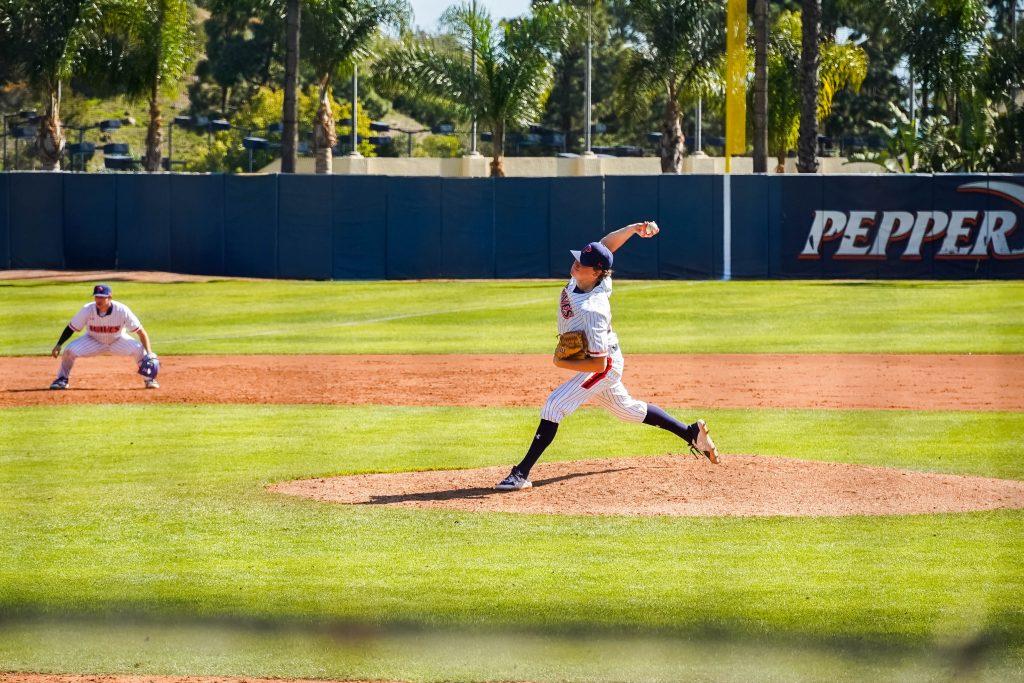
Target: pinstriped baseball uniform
[
  {"x": 104, "y": 334},
  {"x": 591, "y": 312}
]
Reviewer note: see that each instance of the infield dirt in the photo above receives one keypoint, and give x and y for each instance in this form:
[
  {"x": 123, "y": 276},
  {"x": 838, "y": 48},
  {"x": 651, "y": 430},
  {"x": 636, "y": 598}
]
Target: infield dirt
[{"x": 847, "y": 381}]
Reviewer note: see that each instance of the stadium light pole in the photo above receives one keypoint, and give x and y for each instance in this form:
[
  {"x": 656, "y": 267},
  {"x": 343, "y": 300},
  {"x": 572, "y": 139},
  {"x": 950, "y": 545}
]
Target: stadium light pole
[
  {"x": 698, "y": 123},
  {"x": 913, "y": 95},
  {"x": 587, "y": 108},
  {"x": 698, "y": 143},
  {"x": 472, "y": 71},
  {"x": 355, "y": 112}
]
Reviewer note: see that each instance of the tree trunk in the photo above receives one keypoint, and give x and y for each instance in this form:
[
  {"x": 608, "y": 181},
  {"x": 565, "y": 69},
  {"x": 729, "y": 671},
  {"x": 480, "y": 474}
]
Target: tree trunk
[
  {"x": 781, "y": 159},
  {"x": 50, "y": 140},
  {"x": 672, "y": 140},
  {"x": 761, "y": 86},
  {"x": 807, "y": 147},
  {"x": 498, "y": 145},
  {"x": 325, "y": 136},
  {"x": 289, "y": 118},
  {"x": 155, "y": 134}
]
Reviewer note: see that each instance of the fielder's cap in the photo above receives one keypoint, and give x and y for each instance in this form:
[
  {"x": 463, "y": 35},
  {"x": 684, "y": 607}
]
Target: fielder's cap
[
  {"x": 101, "y": 290},
  {"x": 595, "y": 255}
]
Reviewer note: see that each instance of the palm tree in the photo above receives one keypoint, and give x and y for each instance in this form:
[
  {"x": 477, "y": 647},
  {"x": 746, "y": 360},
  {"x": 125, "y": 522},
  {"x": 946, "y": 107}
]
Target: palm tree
[
  {"x": 47, "y": 42},
  {"x": 677, "y": 48},
  {"x": 513, "y": 74},
  {"x": 290, "y": 113},
  {"x": 842, "y": 66},
  {"x": 760, "y": 86},
  {"x": 340, "y": 31},
  {"x": 807, "y": 148},
  {"x": 938, "y": 37},
  {"x": 148, "y": 47}
]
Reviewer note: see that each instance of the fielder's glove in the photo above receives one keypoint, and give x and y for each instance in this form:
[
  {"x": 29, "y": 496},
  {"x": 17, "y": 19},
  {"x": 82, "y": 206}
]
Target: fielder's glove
[{"x": 572, "y": 346}]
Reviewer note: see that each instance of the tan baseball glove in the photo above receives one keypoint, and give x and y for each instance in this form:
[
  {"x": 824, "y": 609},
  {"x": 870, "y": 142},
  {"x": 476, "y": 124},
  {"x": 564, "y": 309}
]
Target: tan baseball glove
[{"x": 572, "y": 346}]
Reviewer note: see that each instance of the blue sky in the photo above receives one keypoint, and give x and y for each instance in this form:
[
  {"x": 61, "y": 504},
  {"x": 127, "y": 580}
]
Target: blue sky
[{"x": 427, "y": 12}]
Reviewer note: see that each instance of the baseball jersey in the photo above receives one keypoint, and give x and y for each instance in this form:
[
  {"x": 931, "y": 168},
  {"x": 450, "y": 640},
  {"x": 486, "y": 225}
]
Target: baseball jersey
[
  {"x": 108, "y": 328},
  {"x": 591, "y": 312}
]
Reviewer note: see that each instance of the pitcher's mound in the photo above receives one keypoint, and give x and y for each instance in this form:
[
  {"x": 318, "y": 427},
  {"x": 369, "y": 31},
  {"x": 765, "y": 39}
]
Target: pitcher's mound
[{"x": 743, "y": 485}]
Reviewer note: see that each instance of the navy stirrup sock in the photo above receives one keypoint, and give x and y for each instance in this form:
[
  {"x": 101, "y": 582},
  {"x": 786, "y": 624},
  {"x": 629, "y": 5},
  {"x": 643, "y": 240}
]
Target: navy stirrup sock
[
  {"x": 541, "y": 440},
  {"x": 657, "y": 417}
]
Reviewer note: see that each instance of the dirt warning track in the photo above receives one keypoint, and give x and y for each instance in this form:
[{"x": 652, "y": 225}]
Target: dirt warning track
[{"x": 842, "y": 381}]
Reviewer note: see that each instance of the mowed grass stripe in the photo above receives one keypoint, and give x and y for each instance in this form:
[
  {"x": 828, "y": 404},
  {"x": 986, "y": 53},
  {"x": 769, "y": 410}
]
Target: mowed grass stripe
[
  {"x": 518, "y": 316},
  {"x": 161, "y": 509}
]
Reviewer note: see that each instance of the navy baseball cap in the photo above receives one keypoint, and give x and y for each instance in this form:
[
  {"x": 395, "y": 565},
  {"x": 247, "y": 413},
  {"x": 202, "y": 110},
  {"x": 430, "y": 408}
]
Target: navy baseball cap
[
  {"x": 595, "y": 255},
  {"x": 101, "y": 290}
]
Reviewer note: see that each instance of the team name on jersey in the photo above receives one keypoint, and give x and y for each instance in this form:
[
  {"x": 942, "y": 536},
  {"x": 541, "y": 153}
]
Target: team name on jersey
[
  {"x": 105, "y": 329},
  {"x": 566, "y": 305}
]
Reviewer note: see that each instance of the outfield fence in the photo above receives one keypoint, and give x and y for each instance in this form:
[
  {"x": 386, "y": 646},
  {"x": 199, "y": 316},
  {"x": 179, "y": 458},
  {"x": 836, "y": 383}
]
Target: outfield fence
[{"x": 381, "y": 227}]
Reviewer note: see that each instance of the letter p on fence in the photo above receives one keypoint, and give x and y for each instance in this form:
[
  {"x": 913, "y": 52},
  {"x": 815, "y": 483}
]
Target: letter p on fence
[{"x": 827, "y": 225}]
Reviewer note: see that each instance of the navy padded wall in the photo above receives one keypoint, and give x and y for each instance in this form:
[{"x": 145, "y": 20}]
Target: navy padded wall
[
  {"x": 947, "y": 198},
  {"x": 5, "y": 235},
  {"x": 688, "y": 206},
  {"x": 414, "y": 228},
  {"x": 792, "y": 201},
  {"x": 1005, "y": 195},
  {"x": 749, "y": 222},
  {"x": 143, "y": 221},
  {"x": 577, "y": 218},
  {"x": 360, "y": 227},
  {"x": 250, "y": 225},
  {"x": 467, "y": 227},
  {"x": 36, "y": 220},
  {"x": 856, "y": 196},
  {"x": 197, "y": 224},
  {"x": 521, "y": 235},
  {"x": 90, "y": 221},
  {"x": 304, "y": 243},
  {"x": 909, "y": 193},
  {"x": 631, "y": 199}
]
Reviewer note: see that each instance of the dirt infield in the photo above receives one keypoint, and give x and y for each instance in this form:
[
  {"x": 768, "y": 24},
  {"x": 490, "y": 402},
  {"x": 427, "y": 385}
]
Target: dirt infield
[
  {"x": 913, "y": 382},
  {"x": 741, "y": 485}
]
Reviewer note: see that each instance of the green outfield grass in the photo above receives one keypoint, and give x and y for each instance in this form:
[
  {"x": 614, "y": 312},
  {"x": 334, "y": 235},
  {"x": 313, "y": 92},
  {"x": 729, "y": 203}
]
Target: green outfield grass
[
  {"x": 157, "y": 514},
  {"x": 161, "y": 510},
  {"x": 518, "y": 316}
]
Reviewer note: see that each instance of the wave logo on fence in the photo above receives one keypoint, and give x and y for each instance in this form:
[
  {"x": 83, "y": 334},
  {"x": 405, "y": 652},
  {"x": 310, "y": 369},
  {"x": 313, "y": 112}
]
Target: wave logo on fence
[{"x": 964, "y": 234}]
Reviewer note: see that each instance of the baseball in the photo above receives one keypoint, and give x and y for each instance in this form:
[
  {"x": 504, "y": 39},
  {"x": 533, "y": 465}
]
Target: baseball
[{"x": 649, "y": 229}]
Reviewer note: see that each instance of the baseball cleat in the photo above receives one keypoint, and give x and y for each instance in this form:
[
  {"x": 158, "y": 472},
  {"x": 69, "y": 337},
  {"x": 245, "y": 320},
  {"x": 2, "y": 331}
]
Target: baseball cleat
[
  {"x": 152, "y": 384},
  {"x": 514, "y": 482},
  {"x": 59, "y": 383},
  {"x": 704, "y": 444}
]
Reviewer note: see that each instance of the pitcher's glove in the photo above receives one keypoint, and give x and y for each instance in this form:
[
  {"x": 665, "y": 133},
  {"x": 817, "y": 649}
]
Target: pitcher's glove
[{"x": 572, "y": 346}]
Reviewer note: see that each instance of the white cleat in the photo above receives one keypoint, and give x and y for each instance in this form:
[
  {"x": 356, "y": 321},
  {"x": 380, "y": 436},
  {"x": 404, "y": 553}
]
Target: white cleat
[
  {"x": 514, "y": 482},
  {"x": 704, "y": 444},
  {"x": 152, "y": 384},
  {"x": 59, "y": 383}
]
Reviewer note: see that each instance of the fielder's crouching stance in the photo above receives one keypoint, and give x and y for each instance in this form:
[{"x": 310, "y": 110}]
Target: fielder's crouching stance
[
  {"x": 106, "y": 323},
  {"x": 588, "y": 346}
]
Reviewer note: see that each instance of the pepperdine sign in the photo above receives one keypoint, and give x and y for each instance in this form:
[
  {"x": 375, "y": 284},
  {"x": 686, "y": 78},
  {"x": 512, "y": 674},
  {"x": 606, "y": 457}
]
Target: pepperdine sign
[{"x": 991, "y": 230}]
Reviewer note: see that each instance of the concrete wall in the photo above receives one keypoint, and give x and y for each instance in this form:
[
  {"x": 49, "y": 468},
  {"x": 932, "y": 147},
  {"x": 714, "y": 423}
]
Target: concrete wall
[{"x": 553, "y": 167}]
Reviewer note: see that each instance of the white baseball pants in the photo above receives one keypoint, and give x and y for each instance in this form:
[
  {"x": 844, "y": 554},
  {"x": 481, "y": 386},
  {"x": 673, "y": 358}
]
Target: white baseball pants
[
  {"x": 605, "y": 388},
  {"x": 86, "y": 346}
]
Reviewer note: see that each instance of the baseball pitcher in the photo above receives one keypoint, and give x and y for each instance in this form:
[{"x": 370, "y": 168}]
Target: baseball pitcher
[{"x": 589, "y": 348}]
